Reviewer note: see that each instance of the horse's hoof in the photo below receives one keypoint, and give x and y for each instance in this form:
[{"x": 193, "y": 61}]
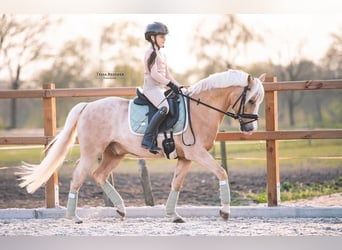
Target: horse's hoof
[
  {"x": 176, "y": 218},
  {"x": 224, "y": 215},
  {"x": 75, "y": 219},
  {"x": 121, "y": 214}
]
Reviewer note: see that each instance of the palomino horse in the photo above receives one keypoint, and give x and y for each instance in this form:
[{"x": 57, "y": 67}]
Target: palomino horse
[{"x": 102, "y": 128}]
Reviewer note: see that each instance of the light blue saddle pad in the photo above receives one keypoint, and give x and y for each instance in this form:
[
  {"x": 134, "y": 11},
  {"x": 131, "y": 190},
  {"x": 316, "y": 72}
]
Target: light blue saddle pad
[{"x": 138, "y": 120}]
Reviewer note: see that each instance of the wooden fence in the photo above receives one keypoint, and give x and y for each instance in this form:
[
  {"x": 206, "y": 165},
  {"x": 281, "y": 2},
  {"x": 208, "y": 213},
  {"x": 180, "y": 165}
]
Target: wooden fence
[{"x": 271, "y": 134}]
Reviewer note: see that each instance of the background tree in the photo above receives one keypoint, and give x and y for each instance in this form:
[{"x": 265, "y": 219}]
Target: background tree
[
  {"x": 332, "y": 65},
  {"x": 295, "y": 71},
  {"x": 332, "y": 60},
  {"x": 71, "y": 68},
  {"x": 21, "y": 44},
  {"x": 121, "y": 49},
  {"x": 217, "y": 45},
  {"x": 76, "y": 65}
]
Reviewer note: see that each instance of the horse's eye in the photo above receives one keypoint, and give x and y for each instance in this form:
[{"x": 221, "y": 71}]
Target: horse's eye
[{"x": 251, "y": 102}]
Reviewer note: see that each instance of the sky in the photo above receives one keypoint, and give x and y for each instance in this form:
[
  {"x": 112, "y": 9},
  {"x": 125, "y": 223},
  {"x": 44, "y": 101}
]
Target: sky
[{"x": 284, "y": 34}]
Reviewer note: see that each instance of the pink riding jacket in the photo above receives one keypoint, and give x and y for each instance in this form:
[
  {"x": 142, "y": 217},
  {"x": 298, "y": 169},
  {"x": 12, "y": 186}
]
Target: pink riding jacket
[{"x": 156, "y": 79}]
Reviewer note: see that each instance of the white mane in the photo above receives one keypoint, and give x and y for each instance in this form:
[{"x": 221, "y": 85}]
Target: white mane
[{"x": 220, "y": 80}]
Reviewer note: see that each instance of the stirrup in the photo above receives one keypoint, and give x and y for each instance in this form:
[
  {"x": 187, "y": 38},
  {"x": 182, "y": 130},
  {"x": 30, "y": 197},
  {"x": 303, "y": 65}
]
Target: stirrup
[
  {"x": 155, "y": 150},
  {"x": 151, "y": 146}
]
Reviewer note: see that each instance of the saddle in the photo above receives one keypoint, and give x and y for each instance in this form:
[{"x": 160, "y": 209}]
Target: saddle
[
  {"x": 141, "y": 111},
  {"x": 173, "y": 115}
]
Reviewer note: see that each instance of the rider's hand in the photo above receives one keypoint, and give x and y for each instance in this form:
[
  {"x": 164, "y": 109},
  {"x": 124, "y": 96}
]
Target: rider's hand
[{"x": 174, "y": 87}]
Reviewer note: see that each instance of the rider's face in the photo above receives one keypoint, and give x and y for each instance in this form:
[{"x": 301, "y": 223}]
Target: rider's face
[{"x": 161, "y": 40}]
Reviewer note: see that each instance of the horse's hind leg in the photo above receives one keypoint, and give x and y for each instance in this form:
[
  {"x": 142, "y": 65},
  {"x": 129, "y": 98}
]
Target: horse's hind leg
[
  {"x": 182, "y": 168},
  {"x": 100, "y": 175},
  {"x": 78, "y": 178}
]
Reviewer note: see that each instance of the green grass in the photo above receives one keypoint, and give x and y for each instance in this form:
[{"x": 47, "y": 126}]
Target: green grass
[
  {"x": 15, "y": 156},
  {"x": 292, "y": 154},
  {"x": 294, "y": 191}
]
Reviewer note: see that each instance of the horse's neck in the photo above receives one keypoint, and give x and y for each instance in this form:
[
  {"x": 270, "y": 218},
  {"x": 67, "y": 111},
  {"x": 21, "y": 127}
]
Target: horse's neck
[
  {"x": 217, "y": 98},
  {"x": 206, "y": 117}
]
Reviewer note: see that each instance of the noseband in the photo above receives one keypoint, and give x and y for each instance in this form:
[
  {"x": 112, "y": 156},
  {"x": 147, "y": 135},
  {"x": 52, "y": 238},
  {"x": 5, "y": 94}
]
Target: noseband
[{"x": 241, "y": 111}]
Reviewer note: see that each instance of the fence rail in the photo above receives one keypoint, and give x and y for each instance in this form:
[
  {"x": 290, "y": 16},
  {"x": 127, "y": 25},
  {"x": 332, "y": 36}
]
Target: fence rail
[
  {"x": 130, "y": 91},
  {"x": 271, "y": 135}
]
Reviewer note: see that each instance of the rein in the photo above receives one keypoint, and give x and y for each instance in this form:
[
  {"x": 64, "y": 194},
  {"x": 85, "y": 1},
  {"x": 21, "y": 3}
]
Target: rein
[
  {"x": 241, "y": 112},
  {"x": 239, "y": 115}
]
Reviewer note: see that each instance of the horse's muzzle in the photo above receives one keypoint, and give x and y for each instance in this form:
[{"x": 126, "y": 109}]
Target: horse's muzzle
[{"x": 247, "y": 127}]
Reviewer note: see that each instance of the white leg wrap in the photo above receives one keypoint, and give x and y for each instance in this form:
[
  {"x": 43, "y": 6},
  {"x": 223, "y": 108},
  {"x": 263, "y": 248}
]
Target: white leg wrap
[
  {"x": 114, "y": 196},
  {"x": 224, "y": 192},
  {"x": 172, "y": 202},
  {"x": 72, "y": 204}
]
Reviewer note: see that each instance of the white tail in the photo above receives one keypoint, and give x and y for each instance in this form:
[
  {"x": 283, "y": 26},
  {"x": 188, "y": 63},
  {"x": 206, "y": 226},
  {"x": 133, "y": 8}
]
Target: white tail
[{"x": 33, "y": 176}]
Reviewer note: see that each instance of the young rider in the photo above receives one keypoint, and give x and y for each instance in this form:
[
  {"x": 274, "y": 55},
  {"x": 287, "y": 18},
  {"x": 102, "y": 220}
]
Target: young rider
[{"x": 156, "y": 77}]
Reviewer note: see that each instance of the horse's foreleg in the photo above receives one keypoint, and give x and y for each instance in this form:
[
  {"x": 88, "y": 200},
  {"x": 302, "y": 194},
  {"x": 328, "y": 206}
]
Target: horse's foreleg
[
  {"x": 205, "y": 159},
  {"x": 177, "y": 182},
  {"x": 225, "y": 199},
  {"x": 100, "y": 175}
]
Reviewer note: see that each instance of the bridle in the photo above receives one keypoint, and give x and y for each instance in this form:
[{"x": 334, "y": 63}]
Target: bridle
[{"x": 241, "y": 111}]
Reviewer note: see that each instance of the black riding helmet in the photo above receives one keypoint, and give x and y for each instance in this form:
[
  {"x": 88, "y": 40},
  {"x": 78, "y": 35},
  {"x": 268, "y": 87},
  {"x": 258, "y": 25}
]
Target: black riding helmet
[{"x": 155, "y": 28}]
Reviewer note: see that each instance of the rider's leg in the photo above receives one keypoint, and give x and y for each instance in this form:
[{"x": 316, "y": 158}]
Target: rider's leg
[
  {"x": 157, "y": 98},
  {"x": 151, "y": 133}
]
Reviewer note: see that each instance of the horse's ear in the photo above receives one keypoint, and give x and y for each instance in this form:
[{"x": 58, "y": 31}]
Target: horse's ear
[{"x": 262, "y": 77}]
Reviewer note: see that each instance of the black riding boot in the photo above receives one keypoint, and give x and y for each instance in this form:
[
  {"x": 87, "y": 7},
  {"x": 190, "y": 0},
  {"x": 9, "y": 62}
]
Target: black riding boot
[{"x": 151, "y": 133}]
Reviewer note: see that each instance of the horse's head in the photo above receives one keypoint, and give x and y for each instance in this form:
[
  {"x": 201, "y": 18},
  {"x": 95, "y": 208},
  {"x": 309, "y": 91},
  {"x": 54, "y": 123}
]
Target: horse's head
[{"x": 246, "y": 103}]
